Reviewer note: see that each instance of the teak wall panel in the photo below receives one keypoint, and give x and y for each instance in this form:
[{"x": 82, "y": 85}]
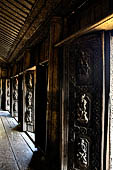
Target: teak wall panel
[
  {"x": 87, "y": 15},
  {"x": 74, "y": 85},
  {"x": 4, "y": 73},
  {"x": 14, "y": 69},
  {"x": 27, "y": 58},
  {"x": 44, "y": 50}
]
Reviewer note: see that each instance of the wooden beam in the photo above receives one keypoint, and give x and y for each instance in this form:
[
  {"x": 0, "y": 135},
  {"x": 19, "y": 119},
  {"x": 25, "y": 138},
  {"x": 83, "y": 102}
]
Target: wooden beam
[
  {"x": 104, "y": 24},
  {"x": 4, "y": 60}
]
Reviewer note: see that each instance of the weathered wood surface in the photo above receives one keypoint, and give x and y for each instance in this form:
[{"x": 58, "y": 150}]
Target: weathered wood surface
[{"x": 15, "y": 151}]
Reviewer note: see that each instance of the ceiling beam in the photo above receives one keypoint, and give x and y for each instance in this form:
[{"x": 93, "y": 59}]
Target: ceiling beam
[{"x": 3, "y": 59}]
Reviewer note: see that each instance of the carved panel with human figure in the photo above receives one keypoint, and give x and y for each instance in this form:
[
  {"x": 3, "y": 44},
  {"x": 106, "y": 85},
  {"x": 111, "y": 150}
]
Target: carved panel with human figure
[
  {"x": 29, "y": 101},
  {"x": 15, "y": 97},
  {"x": 7, "y": 104},
  {"x": 85, "y": 107}
]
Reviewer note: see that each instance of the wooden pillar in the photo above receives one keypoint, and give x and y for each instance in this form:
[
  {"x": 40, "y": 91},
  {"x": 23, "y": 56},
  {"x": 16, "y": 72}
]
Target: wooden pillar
[{"x": 53, "y": 117}]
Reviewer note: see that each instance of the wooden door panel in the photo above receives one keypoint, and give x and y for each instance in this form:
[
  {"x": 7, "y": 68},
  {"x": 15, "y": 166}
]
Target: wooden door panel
[{"x": 85, "y": 103}]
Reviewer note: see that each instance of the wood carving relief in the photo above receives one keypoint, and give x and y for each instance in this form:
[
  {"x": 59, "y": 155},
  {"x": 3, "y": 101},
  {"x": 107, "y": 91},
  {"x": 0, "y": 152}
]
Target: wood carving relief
[
  {"x": 85, "y": 91},
  {"x": 29, "y": 98},
  {"x": 15, "y": 96},
  {"x": 82, "y": 152},
  {"x": 83, "y": 108},
  {"x": 83, "y": 63},
  {"x": 8, "y": 94}
]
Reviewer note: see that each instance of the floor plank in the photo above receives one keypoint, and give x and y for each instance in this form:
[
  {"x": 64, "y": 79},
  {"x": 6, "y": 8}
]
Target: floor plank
[
  {"x": 15, "y": 152},
  {"x": 24, "y": 135},
  {"x": 7, "y": 158}
]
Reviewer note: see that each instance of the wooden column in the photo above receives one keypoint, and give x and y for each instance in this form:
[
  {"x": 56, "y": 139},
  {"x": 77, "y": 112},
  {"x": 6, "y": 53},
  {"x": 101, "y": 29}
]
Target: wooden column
[{"x": 53, "y": 125}]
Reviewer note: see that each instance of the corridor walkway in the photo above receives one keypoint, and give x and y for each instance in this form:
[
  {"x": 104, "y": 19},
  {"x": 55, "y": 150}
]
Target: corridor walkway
[{"x": 16, "y": 149}]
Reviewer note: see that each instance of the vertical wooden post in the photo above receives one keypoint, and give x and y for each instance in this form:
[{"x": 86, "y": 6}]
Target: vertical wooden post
[{"x": 53, "y": 92}]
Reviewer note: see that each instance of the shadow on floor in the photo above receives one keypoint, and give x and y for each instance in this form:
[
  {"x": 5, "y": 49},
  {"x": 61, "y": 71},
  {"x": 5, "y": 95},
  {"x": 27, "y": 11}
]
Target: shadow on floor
[
  {"x": 18, "y": 128},
  {"x": 38, "y": 162}
]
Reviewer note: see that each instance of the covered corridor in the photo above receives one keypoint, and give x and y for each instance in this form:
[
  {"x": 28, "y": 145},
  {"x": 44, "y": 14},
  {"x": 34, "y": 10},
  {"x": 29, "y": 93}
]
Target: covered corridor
[{"x": 56, "y": 81}]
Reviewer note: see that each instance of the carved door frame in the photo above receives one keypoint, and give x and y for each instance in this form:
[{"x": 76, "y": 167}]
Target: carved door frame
[{"x": 65, "y": 106}]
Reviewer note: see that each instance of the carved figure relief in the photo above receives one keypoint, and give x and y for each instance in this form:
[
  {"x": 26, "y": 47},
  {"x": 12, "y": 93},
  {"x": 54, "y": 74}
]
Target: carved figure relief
[
  {"x": 83, "y": 63},
  {"x": 82, "y": 152},
  {"x": 29, "y": 97},
  {"x": 8, "y": 84},
  {"x": 83, "y": 109},
  {"x": 28, "y": 115},
  {"x": 29, "y": 79},
  {"x": 8, "y": 94},
  {"x": 15, "y": 109},
  {"x": 8, "y": 102},
  {"x": 15, "y": 83},
  {"x": 15, "y": 96}
]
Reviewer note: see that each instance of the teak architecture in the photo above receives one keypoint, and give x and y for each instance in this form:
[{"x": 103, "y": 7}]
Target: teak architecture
[{"x": 55, "y": 67}]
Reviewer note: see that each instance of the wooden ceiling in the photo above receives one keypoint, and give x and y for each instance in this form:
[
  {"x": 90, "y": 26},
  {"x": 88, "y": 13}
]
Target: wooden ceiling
[
  {"x": 13, "y": 15},
  {"x": 20, "y": 20}
]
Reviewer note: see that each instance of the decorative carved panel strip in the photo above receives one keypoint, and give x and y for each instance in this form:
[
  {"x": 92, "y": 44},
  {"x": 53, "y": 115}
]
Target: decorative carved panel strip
[
  {"x": 8, "y": 94},
  {"x": 85, "y": 103},
  {"x": 29, "y": 100},
  {"x": 15, "y": 97}
]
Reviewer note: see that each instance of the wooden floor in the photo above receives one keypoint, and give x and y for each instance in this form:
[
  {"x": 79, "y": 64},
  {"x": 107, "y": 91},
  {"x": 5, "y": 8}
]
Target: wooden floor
[{"x": 16, "y": 149}]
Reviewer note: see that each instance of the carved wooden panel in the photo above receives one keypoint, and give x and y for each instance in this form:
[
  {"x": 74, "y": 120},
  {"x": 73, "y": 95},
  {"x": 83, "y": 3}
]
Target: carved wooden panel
[
  {"x": 85, "y": 103},
  {"x": 15, "y": 97},
  {"x": 3, "y": 96},
  {"x": 7, "y": 94},
  {"x": 29, "y": 100}
]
